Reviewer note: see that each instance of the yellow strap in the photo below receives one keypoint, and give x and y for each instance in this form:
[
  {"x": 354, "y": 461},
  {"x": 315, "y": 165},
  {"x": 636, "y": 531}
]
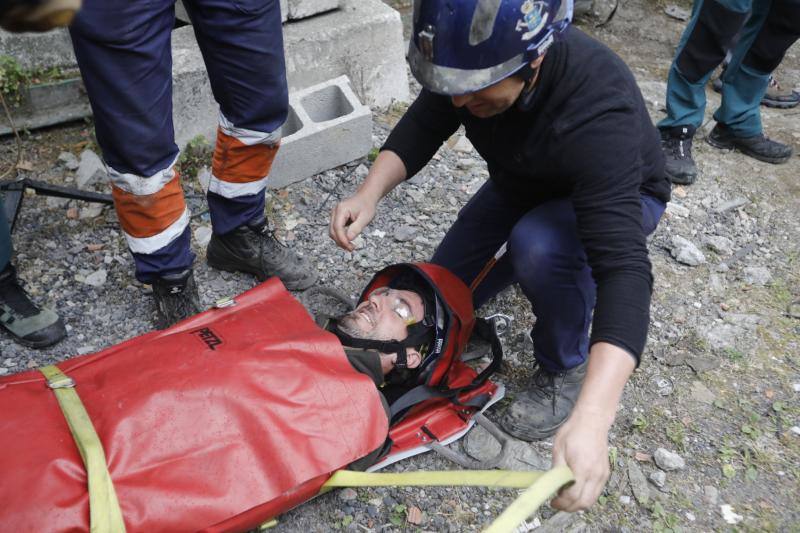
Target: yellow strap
[
  {"x": 105, "y": 515},
  {"x": 540, "y": 486},
  {"x": 529, "y": 501}
]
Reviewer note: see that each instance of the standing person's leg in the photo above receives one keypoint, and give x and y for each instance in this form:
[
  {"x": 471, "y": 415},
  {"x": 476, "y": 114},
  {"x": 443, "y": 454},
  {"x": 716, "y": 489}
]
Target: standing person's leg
[
  {"x": 550, "y": 264},
  {"x": 29, "y": 324},
  {"x": 773, "y": 27},
  {"x": 703, "y": 46},
  {"x": 482, "y": 226},
  {"x": 123, "y": 51},
  {"x": 242, "y": 44}
]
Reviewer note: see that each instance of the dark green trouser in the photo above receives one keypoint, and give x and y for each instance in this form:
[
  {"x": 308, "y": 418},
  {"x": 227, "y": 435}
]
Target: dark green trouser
[{"x": 5, "y": 238}]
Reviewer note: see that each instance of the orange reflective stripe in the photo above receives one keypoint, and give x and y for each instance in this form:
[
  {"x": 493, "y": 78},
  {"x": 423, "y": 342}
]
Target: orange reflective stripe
[
  {"x": 236, "y": 162},
  {"x": 145, "y": 216}
]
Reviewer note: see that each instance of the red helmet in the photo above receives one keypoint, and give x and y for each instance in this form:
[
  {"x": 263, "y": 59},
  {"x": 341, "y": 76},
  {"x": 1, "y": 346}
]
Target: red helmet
[{"x": 449, "y": 315}]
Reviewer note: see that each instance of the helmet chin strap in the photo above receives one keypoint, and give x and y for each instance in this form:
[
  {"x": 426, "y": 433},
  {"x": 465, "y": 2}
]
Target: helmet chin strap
[{"x": 418, "y": 334}]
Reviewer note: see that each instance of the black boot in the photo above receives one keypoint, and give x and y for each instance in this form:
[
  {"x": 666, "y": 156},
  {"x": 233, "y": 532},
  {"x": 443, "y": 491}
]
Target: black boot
[
  {"x": 254, "y": 249},
  {"x": 176, "y": 298},
  {"x": 30, "y": 325},
  {"x": 541, "y": 410},
  {"x": 676, "y": 143},
  {"x": 758, "y": 146}
]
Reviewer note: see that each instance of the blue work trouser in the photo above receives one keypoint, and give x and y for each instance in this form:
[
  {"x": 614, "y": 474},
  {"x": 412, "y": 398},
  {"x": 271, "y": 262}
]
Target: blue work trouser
[
  {"x": 545, "y": 257},
  {"x": 123, "y": 49},
  {"x": 767, "y": 27}
]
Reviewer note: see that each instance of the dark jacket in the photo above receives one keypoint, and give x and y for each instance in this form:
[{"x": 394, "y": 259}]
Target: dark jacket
[{"x": 586, "y": 135}]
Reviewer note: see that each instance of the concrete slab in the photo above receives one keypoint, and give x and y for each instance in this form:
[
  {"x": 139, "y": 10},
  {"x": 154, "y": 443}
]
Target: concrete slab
[
  {"x": 39, "y": 50},
  {"x": 327, "y": 127},
  {"x": 48, "y": 104},
  {"x": 300, "y": 9},
  {"x": 362, "y": 40}
]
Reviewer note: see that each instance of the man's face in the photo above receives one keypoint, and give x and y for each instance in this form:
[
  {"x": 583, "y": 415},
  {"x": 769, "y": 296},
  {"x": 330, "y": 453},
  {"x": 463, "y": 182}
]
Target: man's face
[
  {"x": 385, "y": 315},
  {"x": 495, "y": 98}
]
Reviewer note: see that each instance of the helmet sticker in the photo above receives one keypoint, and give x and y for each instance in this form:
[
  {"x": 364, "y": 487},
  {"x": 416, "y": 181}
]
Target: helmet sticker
[{"x": 534, "y": 18}]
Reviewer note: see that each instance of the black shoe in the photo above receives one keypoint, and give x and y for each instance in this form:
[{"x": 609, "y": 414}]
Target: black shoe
[
  {"x": 676, "y": 143},
  {"x": 176, "y": 298},
  {"x": 758, "y": 146},
  {"x": 254, "y": 249},
  {"x": 30, "y": 325},
  {"x": 540, "y": 411}
]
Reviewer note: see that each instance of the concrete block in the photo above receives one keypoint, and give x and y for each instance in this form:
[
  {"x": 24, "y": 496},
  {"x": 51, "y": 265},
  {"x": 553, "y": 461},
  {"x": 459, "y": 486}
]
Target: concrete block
[
  {"x": 194, "y": 110},
  {"x": 300, "y": 9},
  {"x": 39, "y": 50},
  {"x": 362, "y": 40},
  {"x": 327, "y": 127},
  {"x": 47, "y": 104}
]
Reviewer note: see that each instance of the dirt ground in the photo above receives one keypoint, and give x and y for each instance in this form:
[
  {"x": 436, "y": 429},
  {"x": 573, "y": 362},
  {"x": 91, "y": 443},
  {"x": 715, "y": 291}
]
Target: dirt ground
[{"x": 719, "y": 383}]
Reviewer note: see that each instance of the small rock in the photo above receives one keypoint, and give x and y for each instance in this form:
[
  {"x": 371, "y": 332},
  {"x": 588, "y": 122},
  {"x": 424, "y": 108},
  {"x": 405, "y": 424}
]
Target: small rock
[
  {"x": 204, "y": 178},
  {"x": 558, "y": 523},
  {"x": 677, "y": 12},
  {"x": 702, "y": 394},
  {"x": 68, "y": 160},
  {"x": 638, "y": 483},
  {"x": 732, "y": 204},
  {"x": 97, "y": 278},
  {"x": 90, "y": 211},
  {"x": 348, "y": 494},
  {"x": 361, "y": 171},
  {"x": 659, "y": 478},
  {"x": 462, "y": 144},
  {"x": 676, "y": 209},
  {"x": 642, "y": 457},
  {"x": 795, "y": 430},
  {"x": 625, "y": 499},
  {"x": 679, "y": 191},
  {"x": 54, "y": 202},
  {"x": 793, "y": 310},
  {"x": 728, "y": 515},
  {"x": 480, "y": 445},
  {"x": 667, "y": 460},
  {"x": 405, "y": 233},
  {"x": 414, "y": 515},
  {"x": 719, "y": 244},
  {"x": 90, "y": 169},
  {"x": 724, "y": 336},
  {"x": 758, "y": 276},
  {"x": 203, "y": 235},
  {"x": 83, "y": 350},
  {"x": 94, "y": 247},
  {"x": 72, "y": 213},
  {"x": 359, "y": 242},
  {"x": 684, "y": 251},
  {"x": 701, "y": 364},
  {"x": 710, "y": 495}
]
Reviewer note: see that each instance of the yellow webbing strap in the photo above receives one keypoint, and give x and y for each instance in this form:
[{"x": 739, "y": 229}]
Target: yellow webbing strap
[
  {"x": 539, "y": 486},
  {"x": 105, "y": 515}
]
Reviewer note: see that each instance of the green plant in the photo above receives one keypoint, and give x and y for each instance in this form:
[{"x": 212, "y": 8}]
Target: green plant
[
  {"x": 665, "y": 522},
  {"x": 676, "y": 433},
  {"x": 14, "y": 78},
  {"x": 640, "y": 423},
  {"x": 195, "y": 156}
]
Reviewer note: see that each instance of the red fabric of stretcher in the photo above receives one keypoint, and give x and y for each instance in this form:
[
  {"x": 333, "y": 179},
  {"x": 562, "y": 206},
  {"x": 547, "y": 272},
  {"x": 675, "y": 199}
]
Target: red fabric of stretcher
[{"x": 218, "y": 423}]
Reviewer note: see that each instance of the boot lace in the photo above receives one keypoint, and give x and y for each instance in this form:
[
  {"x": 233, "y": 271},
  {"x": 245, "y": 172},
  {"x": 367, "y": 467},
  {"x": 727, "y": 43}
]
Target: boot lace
[{"x": 547, "y": 385}]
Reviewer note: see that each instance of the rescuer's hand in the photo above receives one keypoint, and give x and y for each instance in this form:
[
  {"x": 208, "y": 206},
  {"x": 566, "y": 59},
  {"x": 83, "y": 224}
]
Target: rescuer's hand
[
  {"x": 349, "y": 218},
  {"x": 582, "y": 444}
]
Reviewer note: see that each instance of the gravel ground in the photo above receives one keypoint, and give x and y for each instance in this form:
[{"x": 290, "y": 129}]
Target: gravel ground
[{"x": 719, "y": 383}]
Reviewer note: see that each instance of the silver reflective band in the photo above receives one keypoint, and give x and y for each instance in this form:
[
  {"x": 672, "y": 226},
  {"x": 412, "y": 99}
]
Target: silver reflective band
[
  {"x": 455, "y": 81},
  {"x": 61, "y": 383}
]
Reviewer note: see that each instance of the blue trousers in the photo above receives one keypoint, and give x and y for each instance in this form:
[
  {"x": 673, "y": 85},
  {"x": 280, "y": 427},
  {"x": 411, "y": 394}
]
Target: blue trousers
[
  {"x": 124, "y": 54},
  {"x": 545, "y": 257},
  {"x": 768, "y": 29}
]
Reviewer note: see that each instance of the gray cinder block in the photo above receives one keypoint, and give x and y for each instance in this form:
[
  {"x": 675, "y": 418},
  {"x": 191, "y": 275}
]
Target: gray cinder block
[
  {"x": 327, "y": 127},
  {"x": 362, "y": 40},
  {"x": 300, "y": 9},
  {"x": 39, "y": 50}
]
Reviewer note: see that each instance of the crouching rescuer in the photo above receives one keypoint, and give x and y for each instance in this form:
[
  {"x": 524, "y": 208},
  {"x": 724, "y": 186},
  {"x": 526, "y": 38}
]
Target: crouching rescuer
[
  {"x": 123, "y": 51},
  {"x": 576, "y": 183}
]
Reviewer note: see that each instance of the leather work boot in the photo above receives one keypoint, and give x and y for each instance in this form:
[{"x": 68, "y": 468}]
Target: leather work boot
[
  {"x": 176, "y": 298},
  {"x": 541, "y": 410},
  {"x": 758, "y": 146},
  {"x": 254, "y": 249},
  {"x": 30, "y": 325},
  {"x": 676, "y": 143}
]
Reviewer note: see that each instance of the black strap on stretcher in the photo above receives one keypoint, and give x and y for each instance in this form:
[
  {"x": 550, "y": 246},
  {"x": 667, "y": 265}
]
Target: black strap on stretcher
[{"x": 486, "y": 330}]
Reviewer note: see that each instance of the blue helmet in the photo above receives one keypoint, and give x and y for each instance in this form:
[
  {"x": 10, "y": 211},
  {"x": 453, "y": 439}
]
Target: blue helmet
[{"x": 462, "y": 46}]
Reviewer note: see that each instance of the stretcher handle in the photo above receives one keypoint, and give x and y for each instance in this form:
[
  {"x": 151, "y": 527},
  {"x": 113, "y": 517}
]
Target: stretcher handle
[{"x": 462, "y": 460}]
